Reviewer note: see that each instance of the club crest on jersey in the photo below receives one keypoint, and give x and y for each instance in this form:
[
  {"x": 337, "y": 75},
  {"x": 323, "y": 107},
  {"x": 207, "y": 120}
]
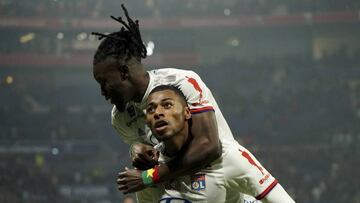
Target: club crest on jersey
[{"x": 198, "y": 182}]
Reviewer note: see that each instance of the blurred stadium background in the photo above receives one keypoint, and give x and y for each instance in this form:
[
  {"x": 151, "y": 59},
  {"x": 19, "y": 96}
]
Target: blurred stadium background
[{"x": 286, "y": 74}]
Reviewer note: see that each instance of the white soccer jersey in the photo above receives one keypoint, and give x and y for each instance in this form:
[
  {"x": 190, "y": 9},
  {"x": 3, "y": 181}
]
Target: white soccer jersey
[
  {"x": 238, "y": 171},
  {"x": 131, "y": 124}
]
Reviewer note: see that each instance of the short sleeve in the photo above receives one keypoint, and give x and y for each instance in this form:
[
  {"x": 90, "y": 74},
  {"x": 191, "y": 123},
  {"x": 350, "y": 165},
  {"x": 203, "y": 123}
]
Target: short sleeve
[{"x": 197, "y": 93}]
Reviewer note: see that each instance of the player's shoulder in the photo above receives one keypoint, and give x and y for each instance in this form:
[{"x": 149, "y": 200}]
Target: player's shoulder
[{"x": 174, "y": 73}]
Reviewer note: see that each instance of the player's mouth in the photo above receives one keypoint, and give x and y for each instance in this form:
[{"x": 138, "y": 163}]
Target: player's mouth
[
  {"x": 160, "y": 126},
  {"x": 113, "y": 100},
  {"x": 110, "y": 98}
]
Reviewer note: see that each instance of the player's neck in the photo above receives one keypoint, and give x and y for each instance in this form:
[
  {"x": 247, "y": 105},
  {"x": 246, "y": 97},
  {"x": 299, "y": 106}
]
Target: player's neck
[
  {"x": 143, "y": 83},
  {"x": 176, "y": 142}
]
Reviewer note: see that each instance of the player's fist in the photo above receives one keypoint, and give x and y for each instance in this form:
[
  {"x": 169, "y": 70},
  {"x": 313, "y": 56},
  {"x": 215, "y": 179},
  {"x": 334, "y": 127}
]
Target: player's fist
[
  {"x": 130, "y": 180},
  {"x": 144, "y": 156}
]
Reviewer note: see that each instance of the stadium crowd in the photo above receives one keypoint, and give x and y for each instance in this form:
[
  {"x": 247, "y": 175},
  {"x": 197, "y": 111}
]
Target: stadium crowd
[{"x": 166, "y": 9}]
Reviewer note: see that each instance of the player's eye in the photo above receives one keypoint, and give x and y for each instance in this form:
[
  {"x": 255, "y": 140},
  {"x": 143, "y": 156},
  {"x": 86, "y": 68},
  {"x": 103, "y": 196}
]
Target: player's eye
[
  {"x": 150, "y": 109},
  {"x": 167, "y": 105}
]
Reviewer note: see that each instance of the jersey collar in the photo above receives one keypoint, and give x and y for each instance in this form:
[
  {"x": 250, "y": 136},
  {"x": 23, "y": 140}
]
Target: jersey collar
[{"x": 148, "y": 89}]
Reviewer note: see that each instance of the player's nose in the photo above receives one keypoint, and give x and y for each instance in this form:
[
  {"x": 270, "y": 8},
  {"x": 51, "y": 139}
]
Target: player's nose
[{"x": 158, "y": 113}]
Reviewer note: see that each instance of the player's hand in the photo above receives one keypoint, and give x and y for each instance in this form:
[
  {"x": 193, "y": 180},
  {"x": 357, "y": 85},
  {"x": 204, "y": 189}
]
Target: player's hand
[
  {"x": 130, "y": 181},
  {"x": 144, "y": 156}
]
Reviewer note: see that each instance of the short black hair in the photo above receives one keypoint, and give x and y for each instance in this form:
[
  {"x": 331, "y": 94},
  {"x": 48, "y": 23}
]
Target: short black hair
[
  {"x": 172, "y": 88},
  {"x": 125, "y": 43}
]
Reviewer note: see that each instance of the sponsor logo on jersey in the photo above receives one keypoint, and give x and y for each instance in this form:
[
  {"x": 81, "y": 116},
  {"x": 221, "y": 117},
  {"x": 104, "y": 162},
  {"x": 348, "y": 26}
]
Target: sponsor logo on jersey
[
  {"x": 198, "y": 182},
  {"x": 173, "y": 200},
  {"x": 251, "y": 201},
  {"x": 133, "y": 120},
  {"x": 131, "y": 111}
]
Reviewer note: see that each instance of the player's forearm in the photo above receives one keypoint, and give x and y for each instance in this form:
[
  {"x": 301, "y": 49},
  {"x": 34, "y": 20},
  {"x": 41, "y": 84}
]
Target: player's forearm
[
  {"x": 198, "y": 156},
  {"x": 203, "y": 149},
  {"x": 193, "y": 159}
]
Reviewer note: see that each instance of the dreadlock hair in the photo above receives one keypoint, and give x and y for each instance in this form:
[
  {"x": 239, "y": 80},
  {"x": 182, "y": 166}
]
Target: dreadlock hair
[
  {"x": 121, "y": 44},
  {"x": 172, "y": 88}
]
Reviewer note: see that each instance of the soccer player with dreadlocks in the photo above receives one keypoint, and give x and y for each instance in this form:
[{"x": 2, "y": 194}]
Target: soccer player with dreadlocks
[{"x": 124, "y": 81}]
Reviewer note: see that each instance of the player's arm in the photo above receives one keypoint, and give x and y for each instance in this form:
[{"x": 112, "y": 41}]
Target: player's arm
[
  {"x": 204, "y": 148},
  {"x": 277, "y": 194},
  {"x": 200, "y": 152},
  {"x": 141, "y": 153}
]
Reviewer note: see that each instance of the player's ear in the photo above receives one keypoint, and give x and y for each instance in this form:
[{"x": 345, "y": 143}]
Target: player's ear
[{"x": 187, "y": 113}]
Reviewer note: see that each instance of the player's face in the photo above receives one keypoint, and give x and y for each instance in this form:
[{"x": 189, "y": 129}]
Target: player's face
[
  {"x": 114, "y": 83},
  {"x": 166, "y": 114}
]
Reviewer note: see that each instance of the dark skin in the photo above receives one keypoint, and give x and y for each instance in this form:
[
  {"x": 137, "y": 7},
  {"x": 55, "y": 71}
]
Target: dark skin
[
  {"x": 167, "y": 115},
  {"x": 144, "y": 156},
  {"x": 122, "y": 84},
  {"x": 120, "y": 81}
]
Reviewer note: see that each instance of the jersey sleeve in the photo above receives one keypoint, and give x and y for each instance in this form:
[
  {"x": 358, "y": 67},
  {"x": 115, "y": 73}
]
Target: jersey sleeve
[
  {"x": 197, "y": 93},
  {"x": 126, "y": 133}
]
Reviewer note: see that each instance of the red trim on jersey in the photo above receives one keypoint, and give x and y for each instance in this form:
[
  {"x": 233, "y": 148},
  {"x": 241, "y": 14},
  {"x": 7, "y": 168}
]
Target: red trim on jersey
[
  {"x": 200, "y": 110},
  {"x": 196, "y": 86},
  {"x": 267, "y": 190}
]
